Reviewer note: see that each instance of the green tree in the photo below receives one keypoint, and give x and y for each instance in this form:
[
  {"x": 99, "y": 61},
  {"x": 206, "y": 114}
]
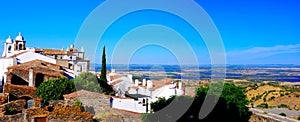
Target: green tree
[
  {"x": 103, "y": 68},
  {"x": 263, "y": 105},
  {"x": 231, "y": 106},
  {"x": 87, "y": 81},
  {"x": 54, "y": 89},
  {"x": 161, "y": 103},
  {"x": 105, "y": 87}
]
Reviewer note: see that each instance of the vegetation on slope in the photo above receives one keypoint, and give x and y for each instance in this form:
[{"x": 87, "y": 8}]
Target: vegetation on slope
[{"x": 231, "y": 105}]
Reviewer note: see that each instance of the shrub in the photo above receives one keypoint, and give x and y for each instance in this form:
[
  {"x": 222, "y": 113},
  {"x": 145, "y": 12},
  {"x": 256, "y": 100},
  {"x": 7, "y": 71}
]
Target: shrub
[
  {"x": 10, "y": 111},
  {"x": 282, "y": 114},
  {"x": 54, "y": 89},
  {"x": 272, "y": 98},
  {"x": 283, "y": 106},
  {"x": 263, "y": 105},
  {"x": 78, "y": 104},
  {"x": 87, "y": 81}
]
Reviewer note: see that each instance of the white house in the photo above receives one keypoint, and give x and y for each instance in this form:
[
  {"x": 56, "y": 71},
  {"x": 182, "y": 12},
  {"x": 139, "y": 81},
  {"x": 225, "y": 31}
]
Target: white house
[
  {"x": 15, "y": 52},
  {"x": 135, "y": 95}
]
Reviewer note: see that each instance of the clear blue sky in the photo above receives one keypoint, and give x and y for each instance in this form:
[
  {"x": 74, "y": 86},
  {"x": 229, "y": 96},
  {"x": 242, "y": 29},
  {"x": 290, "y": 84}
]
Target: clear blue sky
[{"x": 253, "y": 31}]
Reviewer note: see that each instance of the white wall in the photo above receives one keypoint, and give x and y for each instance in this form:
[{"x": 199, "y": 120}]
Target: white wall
[
  {"x": 129, "y": 105},
  {"x": 4, "y": 63}
]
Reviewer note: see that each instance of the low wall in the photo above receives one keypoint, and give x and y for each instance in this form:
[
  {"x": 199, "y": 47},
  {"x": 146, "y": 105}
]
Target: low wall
[
  {"x": 18, "y": 105},
  {"x": 3, "y": 98},
  {"x": 129, "y": 105},
  {"x": 19, "y": 90},
  {"x": 94, "y": 103},
  {"x": 12, "y": 118}
]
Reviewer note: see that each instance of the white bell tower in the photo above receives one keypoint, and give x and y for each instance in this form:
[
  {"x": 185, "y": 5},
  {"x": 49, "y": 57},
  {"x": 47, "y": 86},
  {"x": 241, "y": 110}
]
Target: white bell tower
[
  {"x": 8, "y": 47},
  {"x": 20, "y": 42}
]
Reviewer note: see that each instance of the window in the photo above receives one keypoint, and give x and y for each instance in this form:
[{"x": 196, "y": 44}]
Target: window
[
  {"x": 20, "y": 47},
  {"x": 9, "y": 48}
]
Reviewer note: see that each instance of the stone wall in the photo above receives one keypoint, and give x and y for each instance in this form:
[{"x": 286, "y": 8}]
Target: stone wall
[
  {"x": 94, "y": 103},
  {"x": 191, "y": 85},
  {"x": 20, "y": 91},
  {"x": 57, "y": 103},
  {"x": 12, "y": 118},
  {"x": 59, "y": 114},
  {"x": 22, "y": 74},
  {"x": 3, "y": 98},
  {"x": 18, "y": 105}
]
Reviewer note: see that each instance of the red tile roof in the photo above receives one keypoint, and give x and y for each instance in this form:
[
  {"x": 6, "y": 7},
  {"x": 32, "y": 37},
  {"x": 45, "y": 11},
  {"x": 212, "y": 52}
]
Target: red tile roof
[
  {"x": 39, "y": 66},
  {"x": 82, "y": 92},
  {"x": 159, "y": 84},
  {"x": 116, "y": 82},
  {"x": 53, "y": 51}
]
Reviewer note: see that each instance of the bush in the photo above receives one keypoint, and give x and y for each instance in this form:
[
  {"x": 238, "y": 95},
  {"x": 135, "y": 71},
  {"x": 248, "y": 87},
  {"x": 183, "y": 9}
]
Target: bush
[
  {"x": 78, "y": 104},
  {"x": 272, "y": 98},
  {"x": 87, "y": 81},
  {"x": 263, "y": 105},
  {"x": 10, "y": 111},
  {"x": 54, "y": 89},
  {"x": 282, "y": 114},
  {"x": 283, "y": 106}
]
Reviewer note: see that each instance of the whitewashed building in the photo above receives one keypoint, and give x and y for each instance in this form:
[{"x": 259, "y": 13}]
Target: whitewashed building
[
  {"x": 136, "y": 96},
  {"x": 16, "y": 52}
]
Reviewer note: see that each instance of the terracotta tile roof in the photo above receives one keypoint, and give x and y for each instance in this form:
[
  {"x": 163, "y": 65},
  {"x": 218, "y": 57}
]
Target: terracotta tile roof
[
  {"x": 82, "y": 92},
  {"x": 115, "y": 77},
  {"x": 135, "y": 87},
  {"x": 159, "y": 84},
  {"x": 116, "y": 82},
  {"x": 39, "y": 66},
  {"x": 53, "y": 51}
]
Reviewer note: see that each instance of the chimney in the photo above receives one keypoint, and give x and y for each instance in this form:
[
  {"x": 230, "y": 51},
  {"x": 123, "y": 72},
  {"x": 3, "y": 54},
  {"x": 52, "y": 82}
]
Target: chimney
[
  {"x": 136, "y": 82},
  {"x": 30, "y": 79},
  {"x": 144, "y": 82},
  {"x": 113, "y": 70},
  {"x": 130, "y": 77},
  {"x": 179, "y": 85},
  {"x": 149, "y": 84}
]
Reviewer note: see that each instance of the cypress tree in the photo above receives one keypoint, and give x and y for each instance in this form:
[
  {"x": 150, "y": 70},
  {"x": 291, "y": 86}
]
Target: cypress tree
[
  {"x": 103, "y": 68},
  {"x": 105, "y": 87}
]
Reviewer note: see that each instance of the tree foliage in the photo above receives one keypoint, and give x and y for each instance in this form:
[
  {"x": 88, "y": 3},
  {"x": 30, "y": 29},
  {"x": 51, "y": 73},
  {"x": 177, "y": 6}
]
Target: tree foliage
[
  {"x": 105, "y": 87},
  {"x": 54, "y": 89},
  {"x": 231, "y": 106},
  {"x": 161, "y": 103},
  {"x": 282, "y": 114},
  {"x": 87, "y": 81},
  {"x": 103, "y": 68}
]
